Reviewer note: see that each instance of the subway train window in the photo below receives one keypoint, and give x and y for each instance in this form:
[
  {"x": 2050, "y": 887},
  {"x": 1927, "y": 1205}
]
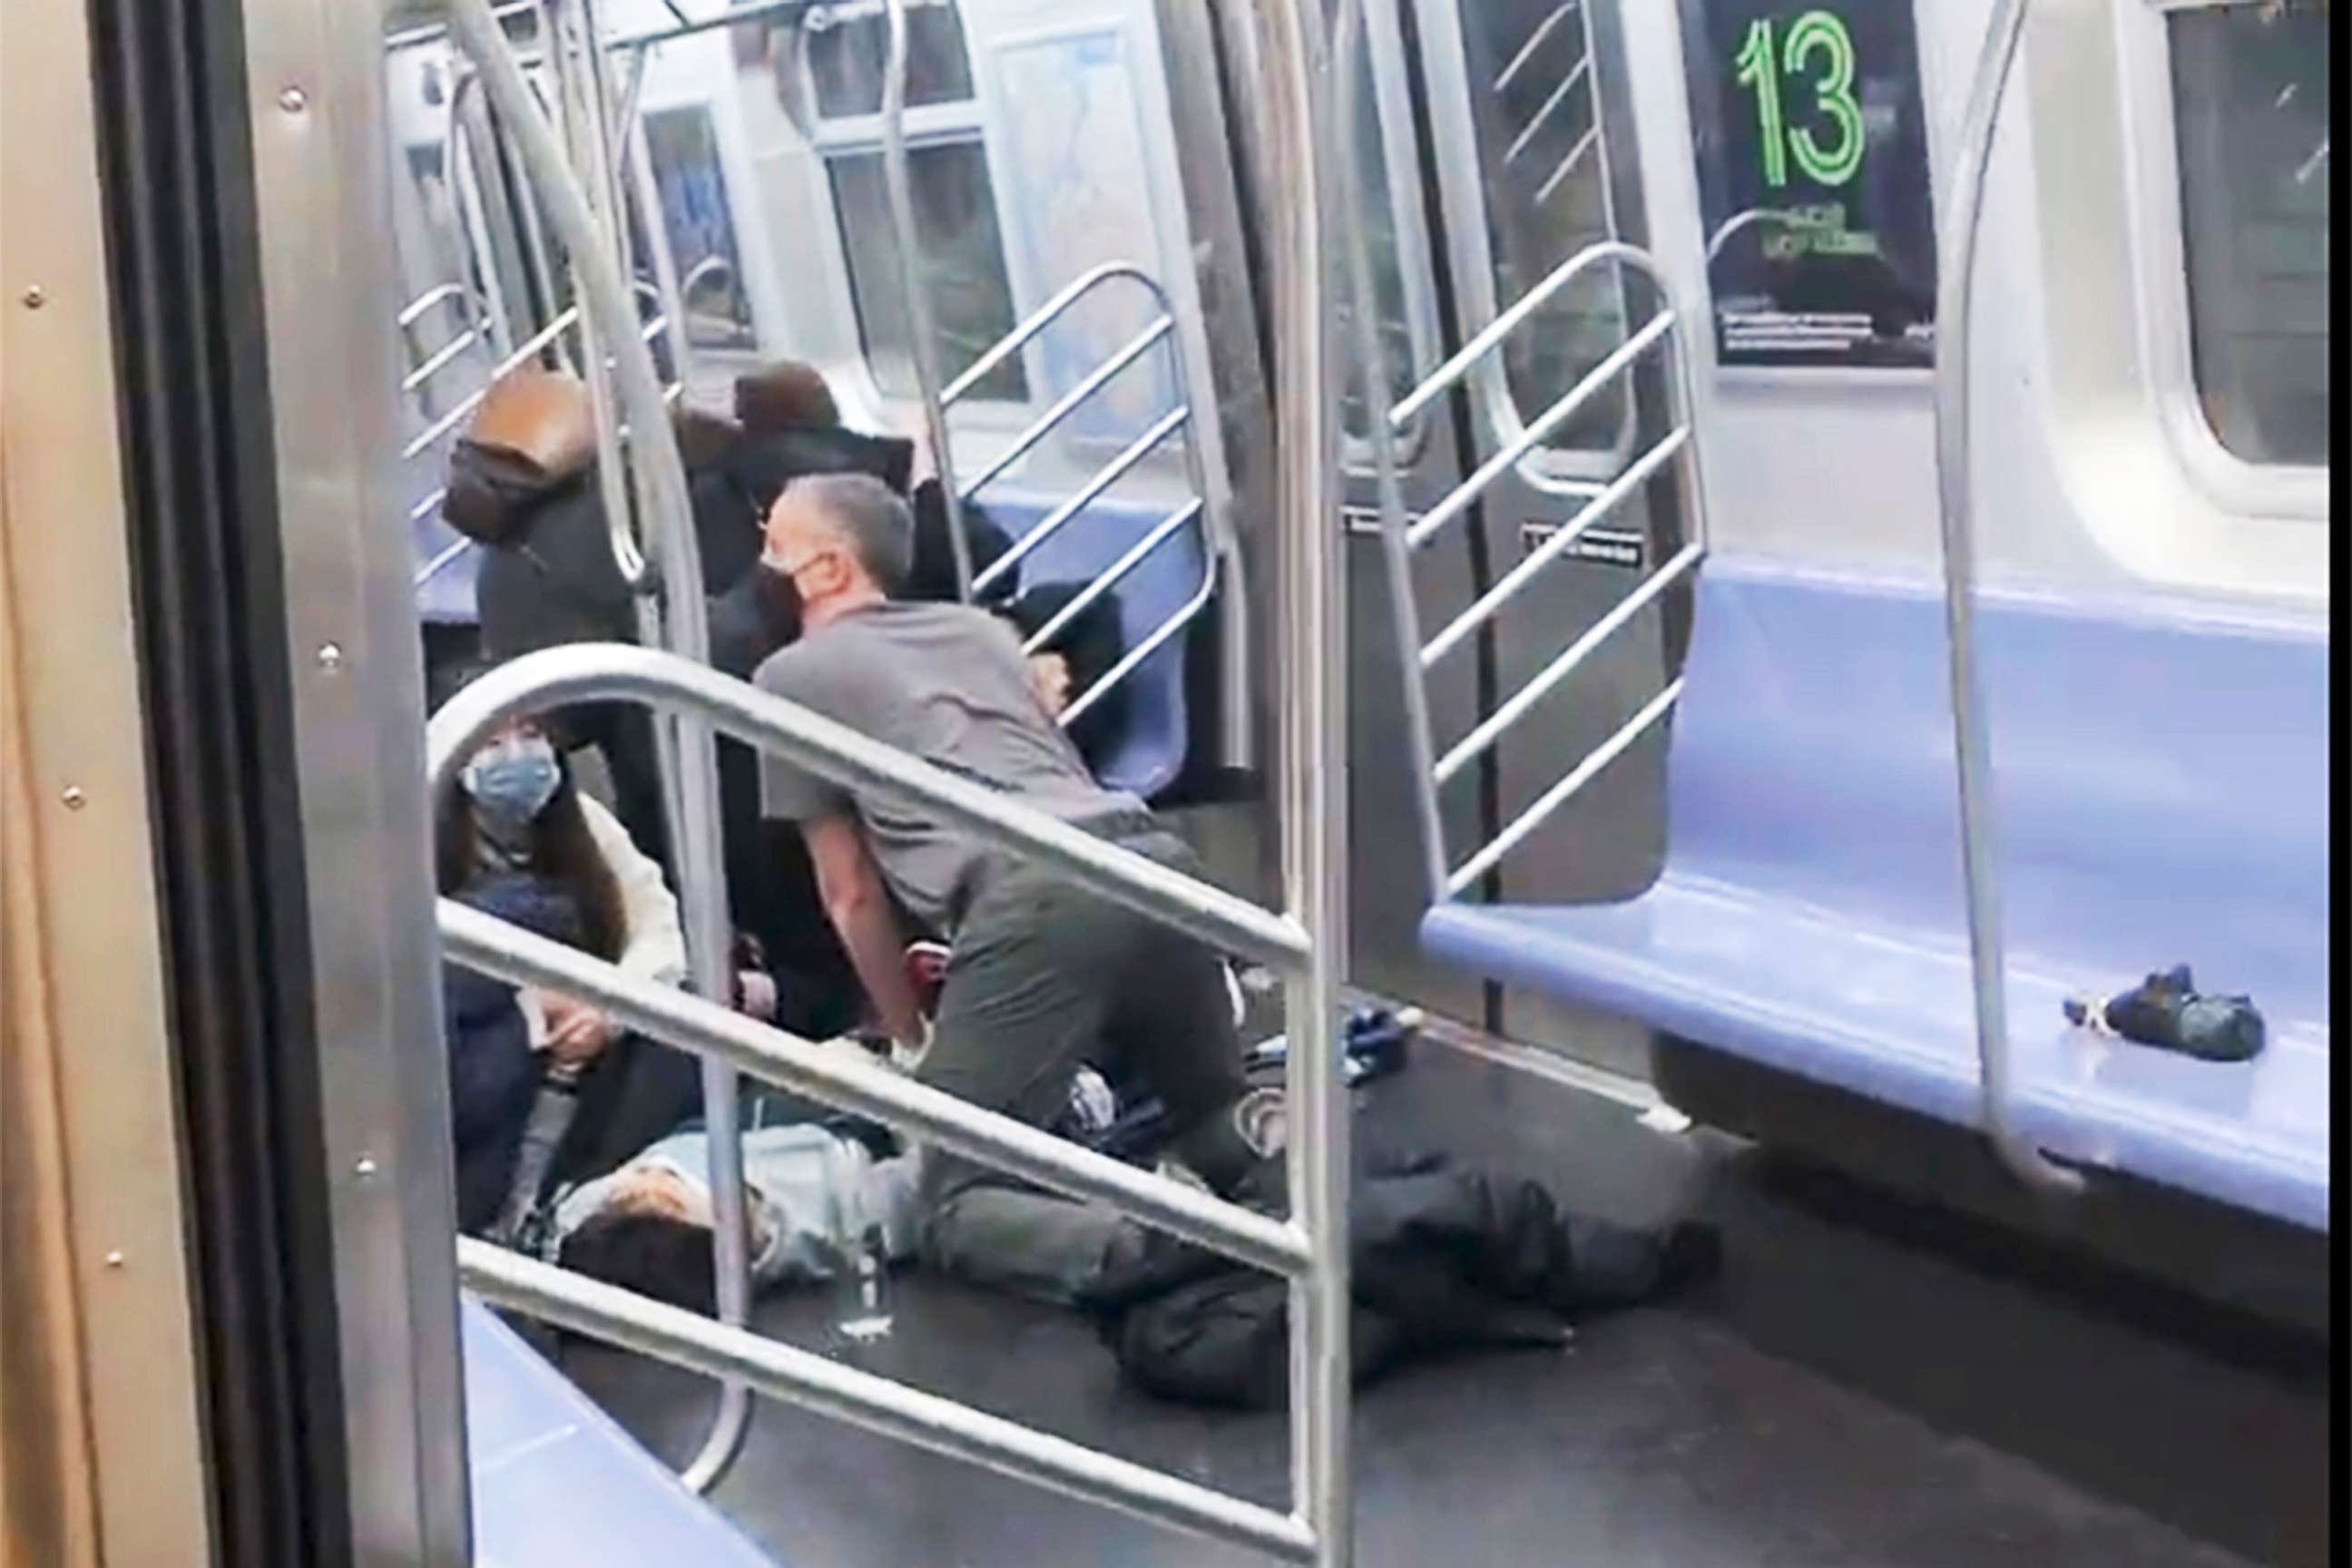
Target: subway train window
[
  {"x": 1536, "y": 104},
  {"x": 956, "y": 230},
  {"x": 848, "y": 49},
  {"x": 962, "y": 256},
  {"x": 700, "y": 223},
  {"x": 2250, "y": 98}
]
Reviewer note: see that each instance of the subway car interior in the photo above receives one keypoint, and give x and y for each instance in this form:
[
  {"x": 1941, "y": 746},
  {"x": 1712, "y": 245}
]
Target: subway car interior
[{"x": 1731, "y": 596}]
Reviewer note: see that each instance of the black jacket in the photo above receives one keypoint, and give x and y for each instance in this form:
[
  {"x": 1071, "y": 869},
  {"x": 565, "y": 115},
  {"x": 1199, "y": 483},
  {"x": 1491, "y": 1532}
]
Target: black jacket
[
  {"x": 493, "y": 1072},
  {"x": 1441, "y": 1258},
  {"x": 763, "y": 464}
]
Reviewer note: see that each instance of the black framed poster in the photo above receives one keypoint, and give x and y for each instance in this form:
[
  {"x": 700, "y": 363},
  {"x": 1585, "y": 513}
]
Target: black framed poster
[{"x": 1813, "y": 179}]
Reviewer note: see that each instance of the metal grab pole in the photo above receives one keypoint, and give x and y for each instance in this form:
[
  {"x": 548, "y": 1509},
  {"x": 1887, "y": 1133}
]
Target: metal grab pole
[
  {"x": 580, "y": 98},
  {"x": 660, "y": 477},
  {"x": 1313, "y": 759},
  {"x": 920, "y": 331},
  {"x": 1979, "y": 830},
  {"x": 1396, "y": 554}
]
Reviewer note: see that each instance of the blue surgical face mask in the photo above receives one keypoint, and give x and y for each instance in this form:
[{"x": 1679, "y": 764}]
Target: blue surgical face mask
[{"x": 511, "y": 781}]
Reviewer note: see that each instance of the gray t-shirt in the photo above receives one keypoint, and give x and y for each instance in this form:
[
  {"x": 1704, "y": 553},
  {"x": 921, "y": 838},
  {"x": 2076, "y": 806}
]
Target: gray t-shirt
[{"x": 945, "y": 683}]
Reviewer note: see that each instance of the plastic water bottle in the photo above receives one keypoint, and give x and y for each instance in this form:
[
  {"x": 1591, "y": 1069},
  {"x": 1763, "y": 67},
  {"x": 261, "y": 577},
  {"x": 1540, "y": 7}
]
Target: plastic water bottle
[{"x": 865, "y": 1317}]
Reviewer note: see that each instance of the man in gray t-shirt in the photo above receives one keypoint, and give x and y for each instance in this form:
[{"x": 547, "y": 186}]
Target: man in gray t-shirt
[
  {"x": 1045, "y": 975},
  {"x": 948, "y": 685}
]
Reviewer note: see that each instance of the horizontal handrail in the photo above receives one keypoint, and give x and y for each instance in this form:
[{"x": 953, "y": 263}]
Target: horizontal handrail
[
  {"x": 1106, "y": 475},
  {"x": 852, "y": 1081},
  {"x": 1093, "y": 382},
  {"x": 589, "y": 672},
  {"x": 1469, "y": 749},
  {"x": 1502, "y": 326},
  {"x": 1637, "y": 473},
  {"x": 1046, "y": 315},
  {"x": 1552, "y": 799},
  {"x": 1457, "y": 500},
  {"x": 669, "y": 1334}
]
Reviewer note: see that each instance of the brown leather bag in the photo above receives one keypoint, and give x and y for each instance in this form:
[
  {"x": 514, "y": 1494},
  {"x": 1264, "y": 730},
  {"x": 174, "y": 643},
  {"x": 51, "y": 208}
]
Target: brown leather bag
[{"x": 540, "y": 417}]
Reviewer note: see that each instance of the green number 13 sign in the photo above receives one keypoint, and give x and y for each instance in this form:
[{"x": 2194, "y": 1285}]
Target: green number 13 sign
[
  {"x": 1812, "y": 156},
  {"x": 1817, "y": 48}
]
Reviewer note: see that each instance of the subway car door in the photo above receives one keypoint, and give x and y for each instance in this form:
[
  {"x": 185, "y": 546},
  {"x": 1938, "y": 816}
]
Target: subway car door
[
  {"x": 1533, "y": 159},
  {"x": 1388, "y": 888}
]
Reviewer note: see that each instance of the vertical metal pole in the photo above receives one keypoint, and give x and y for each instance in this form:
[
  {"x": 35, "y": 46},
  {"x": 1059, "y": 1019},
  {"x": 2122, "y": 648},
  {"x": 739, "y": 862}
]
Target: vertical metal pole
[
  {"x": 1979, "y": 830},
  {"x": 1312, "y": 760},
  {"x": 1396, "y": 553},
  {"x": 660, "y": 478},
  {"x": 569, "y": 58},
  {"x": 921, "y": 336}
]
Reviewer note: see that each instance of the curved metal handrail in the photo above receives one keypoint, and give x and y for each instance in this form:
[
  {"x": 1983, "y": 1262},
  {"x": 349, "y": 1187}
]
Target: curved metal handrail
[
  {"x": 414, "y": 311},
  {"x": 1970, "y": 744},
  {"x": 921, "y": 328},
  {"x": 1400, "y": 537},
  {"x": 1502, "y": 326},
  {"x": 692, "y": 802},
  {"x": 589, "y": 672},
  {"x": 701, "y": 271},
  {"x": 1044, "y": 316},
  {"x": 1306, "y": 1248},
  {"x": 1161, "y": 330}
]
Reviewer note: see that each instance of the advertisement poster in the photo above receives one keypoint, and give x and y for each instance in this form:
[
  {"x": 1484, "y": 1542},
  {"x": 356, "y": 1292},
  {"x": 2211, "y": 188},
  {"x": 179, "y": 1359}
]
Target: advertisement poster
[{"x": 1812, "y": 178}]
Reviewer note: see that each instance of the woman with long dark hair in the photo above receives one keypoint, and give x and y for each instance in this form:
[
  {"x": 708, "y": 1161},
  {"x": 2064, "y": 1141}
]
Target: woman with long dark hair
[{"x": 517, "y": 837}]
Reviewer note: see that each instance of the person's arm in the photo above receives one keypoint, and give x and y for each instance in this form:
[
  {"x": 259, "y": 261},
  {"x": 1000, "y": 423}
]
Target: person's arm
[
  {"x": 859, "y": 907},
  {"x": 655, "y": 946}
]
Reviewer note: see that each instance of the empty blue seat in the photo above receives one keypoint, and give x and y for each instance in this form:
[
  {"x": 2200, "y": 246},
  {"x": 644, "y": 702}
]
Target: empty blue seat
[
  {"x": 557, "y": 1483},
  {"x": 2161, "y": 777}
]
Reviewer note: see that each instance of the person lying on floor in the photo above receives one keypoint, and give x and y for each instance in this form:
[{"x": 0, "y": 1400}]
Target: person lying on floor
[
  {"x": 812, "y": 1191},
  {"x": 1443, "y": 1257}
]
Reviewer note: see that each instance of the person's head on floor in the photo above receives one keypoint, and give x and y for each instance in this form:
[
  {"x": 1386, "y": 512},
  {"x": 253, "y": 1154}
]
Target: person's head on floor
[
  {"x": 652, "y": 1254},
  {"x": 842, "y": 541},
  {"x": 513, "y": 809},
  {"x": 784, "y": 394}
]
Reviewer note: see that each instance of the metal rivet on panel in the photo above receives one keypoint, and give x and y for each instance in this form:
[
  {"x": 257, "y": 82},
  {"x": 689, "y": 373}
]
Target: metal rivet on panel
[
  {"x": 35, "y": 297},
  {"x": 75, "y": 798},
  {"x": 114, "y": 1260},
  {"x": 293, "y": 100},
  {"x": 364, "y": 1168},
  {"x": 331, "y": 657}
]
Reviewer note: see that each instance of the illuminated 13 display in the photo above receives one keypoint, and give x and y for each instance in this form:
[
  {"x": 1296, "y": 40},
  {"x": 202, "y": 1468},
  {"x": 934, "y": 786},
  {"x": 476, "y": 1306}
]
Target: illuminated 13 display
[{"x": 1813, "y": 177}]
